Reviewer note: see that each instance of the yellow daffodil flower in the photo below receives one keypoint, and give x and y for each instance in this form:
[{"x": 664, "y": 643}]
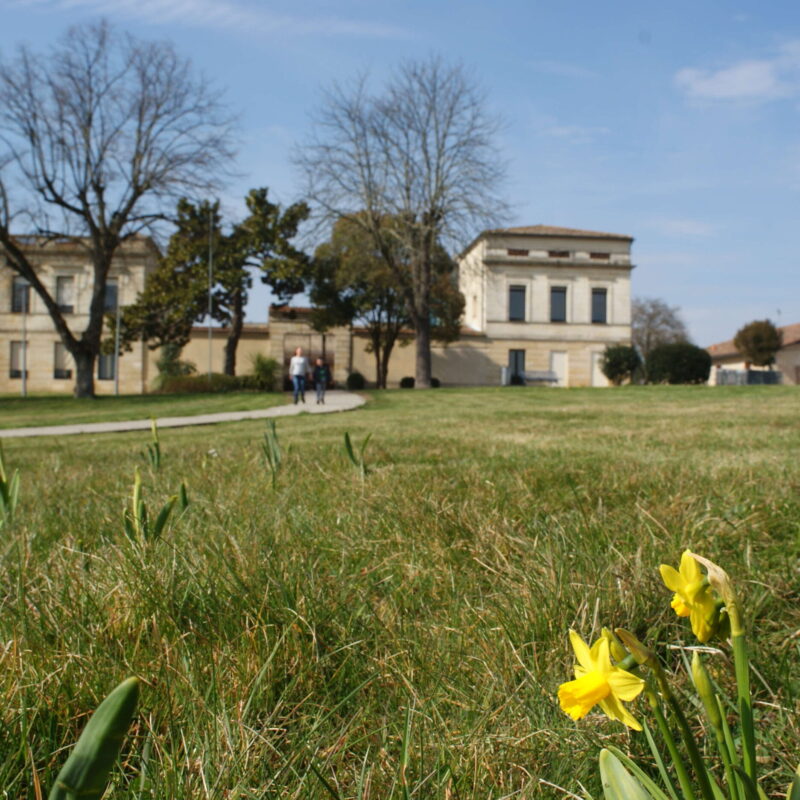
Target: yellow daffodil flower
[
  {"x": 598, "y": 682},
  {"x": 693, "y": 597}
]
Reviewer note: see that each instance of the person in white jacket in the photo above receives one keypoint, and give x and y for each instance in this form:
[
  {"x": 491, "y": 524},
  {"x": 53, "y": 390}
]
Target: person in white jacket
[{"x": 298, "y": 369}]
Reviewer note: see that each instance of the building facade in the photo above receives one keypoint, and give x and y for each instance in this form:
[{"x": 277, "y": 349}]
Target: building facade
[
  {"x": 725, "y": 356},
  {"x": 546, "y": 299},
  {"x": 28, "y": 340},
  {"x": 539, "y": 300}
]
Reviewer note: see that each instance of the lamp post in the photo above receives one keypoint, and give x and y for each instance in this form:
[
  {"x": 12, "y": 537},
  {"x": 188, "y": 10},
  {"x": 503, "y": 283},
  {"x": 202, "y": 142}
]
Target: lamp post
[
  {"x": 25, "y": 300},
  {"x": 210, "y": 281},
  {"x": 116, "y": 340}
]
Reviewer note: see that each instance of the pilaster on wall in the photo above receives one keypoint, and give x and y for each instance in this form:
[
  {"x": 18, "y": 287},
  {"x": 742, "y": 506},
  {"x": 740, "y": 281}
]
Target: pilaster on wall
[{"x": 343, "y": 355}]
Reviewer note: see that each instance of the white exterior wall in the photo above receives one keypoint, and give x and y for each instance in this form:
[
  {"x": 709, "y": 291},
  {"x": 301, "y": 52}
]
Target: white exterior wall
[
  {"x": 488, "y": 270},
  {"x": 471, "y": 283}
]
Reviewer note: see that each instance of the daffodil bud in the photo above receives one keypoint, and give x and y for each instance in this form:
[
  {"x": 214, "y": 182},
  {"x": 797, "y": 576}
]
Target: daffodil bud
[
  {"x": 705, "y": 691},
  {"x": 722, "y": 585},
  {"x": 618, "y": 652},
  {"x": 642, "y": 654}
]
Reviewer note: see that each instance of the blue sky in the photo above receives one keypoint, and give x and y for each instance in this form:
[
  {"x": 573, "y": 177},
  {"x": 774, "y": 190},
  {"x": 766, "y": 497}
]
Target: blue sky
[{"x": 677, "y": 123}]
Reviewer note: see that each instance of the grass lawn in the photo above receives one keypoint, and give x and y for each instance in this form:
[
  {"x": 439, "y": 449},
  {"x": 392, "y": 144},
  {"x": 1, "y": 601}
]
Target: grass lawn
[
  {"x": 19, "y": 412},
  {"x": 296, "y": 643}
]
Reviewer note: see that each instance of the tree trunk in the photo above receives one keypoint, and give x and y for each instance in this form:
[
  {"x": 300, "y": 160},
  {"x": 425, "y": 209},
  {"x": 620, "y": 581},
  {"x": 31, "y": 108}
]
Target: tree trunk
[
  {"x": 422, "y": 342},
  {"x": 380, "y": 372},
  {"x": 388, "y": 346},
  {"x": 84, "y": 373},
  {"x": 237, "y": 323}
]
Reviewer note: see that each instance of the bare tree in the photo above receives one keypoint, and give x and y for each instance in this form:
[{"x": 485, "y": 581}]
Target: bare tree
[
  {"x": 97, "y": 139},
  {"x": 655, "y": 323},
  {"x": 422, "y": 154}
]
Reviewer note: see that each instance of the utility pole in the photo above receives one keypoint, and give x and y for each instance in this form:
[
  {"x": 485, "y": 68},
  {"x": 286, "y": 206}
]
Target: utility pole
[
  {"x": 116, "y": 341},
  {"x": 210, "y": 282},
  {"x": 26, "y": 300}
]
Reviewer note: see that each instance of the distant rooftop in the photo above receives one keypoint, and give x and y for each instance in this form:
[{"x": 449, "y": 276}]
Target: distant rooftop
[
  {"x": 553, "y": 230},
  {"x": 547, "y": 230},
  {"x": 791, "y": 335}
]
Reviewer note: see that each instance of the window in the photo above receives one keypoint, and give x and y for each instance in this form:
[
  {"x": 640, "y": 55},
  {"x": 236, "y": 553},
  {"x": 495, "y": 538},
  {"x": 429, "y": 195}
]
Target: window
[
  {"x": 558, "y": 304},
  {"x": 20, "y": 296},
  {"x": 111, "y": 296},
  {"x": 516, "y": 303},
  {"x": 61, "y": 370},
  {"x": 558, "y": 253},
  {"x": 65, "y": 293},
  {"x": 514, "y": 252},
  {"x": 600, "y": 256},
  {"x": 516, "y": 364},
  {"x": 105, "y": 367},
  {"x": 16, "y": 360},
  {"x": 599, "y": 305}
]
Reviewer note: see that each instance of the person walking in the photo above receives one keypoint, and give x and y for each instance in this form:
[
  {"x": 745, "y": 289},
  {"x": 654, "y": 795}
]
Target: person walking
[
  {"x": 321, "y": 377},
  {"x": 298, "y": 369}
]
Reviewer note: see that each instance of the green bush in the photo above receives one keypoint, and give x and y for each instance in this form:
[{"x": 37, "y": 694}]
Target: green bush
[
  {"x": 170, "y": 365},
  {"x": 679, "y": 362},
  {"x": 200, "y": 384},
  {"x": 408, "y": 383},
  {"x": 619, "y": 362},
  {"x": 266, "y": 373},
  {"x": 356, "y": 381}
]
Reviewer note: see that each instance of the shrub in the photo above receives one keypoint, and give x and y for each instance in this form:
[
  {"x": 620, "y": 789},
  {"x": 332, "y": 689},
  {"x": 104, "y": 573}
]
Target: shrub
[
  {"x": 516, "y": 380},
  {"x": 435, "y": 383},
  {"x": 680, "y": 362},
  {"x": 356, "y": 381},
  {"x": 199, "y": 384},
  {"x": 265, "y": 374},
  {"x": 170, "y": 365},
  {"x": 407, "y": 382},
  {"x": 619, "y": 362}
]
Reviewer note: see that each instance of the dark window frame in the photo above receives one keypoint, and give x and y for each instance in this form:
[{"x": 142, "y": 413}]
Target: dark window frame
[
  {"x": 60, "y": 373},
  {"x": 515, "y": 290},
  {"x": 597, "y": 256},
  {"x": 65, "y": 308},
  {"x": 105, "y": 367},
  {"x": 16, "y": 372},
  {"x": 514, "y": 251},
  {"x": 20, "y": 288},
  {"x": 108, "y": 307},
  {"x": 597, "y": 317},
  {"x": 514, "y": 357},
  {"x": 558, "y": 253},
  {"x": 558, "y": 291}
]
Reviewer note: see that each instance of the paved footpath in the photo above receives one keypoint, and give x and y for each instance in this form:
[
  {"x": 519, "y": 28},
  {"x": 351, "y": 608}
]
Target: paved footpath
[{"x": 334, "y": 401}]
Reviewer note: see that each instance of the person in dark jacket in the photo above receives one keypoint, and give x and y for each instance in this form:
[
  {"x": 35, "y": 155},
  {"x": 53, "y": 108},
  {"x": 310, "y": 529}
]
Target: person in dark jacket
[{"x": 321, "y": 377}]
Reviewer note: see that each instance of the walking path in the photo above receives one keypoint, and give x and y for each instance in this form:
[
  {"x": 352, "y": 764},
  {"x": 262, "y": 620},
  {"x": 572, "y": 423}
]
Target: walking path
[{"x": 334, "y": 401}]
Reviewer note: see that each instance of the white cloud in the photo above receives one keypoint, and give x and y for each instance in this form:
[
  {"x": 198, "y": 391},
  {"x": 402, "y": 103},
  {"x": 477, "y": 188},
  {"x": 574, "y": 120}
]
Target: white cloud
[
  {"x": 677, "y": 226},
  {"x": 250, "y": 17},
  {"x": 748, "y": 80}
]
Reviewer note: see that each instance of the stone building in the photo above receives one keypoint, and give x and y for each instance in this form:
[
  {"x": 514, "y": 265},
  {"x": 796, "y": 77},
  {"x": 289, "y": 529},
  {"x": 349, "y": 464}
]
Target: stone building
[
  {"x": 545, "y": 299},
  {"x": 28, "y": 338},
  {"x": 540, "y": 300},
  {"x": 725, "y": 356}
]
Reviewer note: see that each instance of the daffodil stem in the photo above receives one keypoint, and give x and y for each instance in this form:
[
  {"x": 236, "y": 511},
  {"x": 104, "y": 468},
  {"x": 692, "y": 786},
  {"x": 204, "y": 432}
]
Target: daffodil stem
[
  {"x": 695, "y": 757},
  {"x": 675, "y": 756},
  {"x": 742, "y": 668},
  {"x": 730, "y": 775}
]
